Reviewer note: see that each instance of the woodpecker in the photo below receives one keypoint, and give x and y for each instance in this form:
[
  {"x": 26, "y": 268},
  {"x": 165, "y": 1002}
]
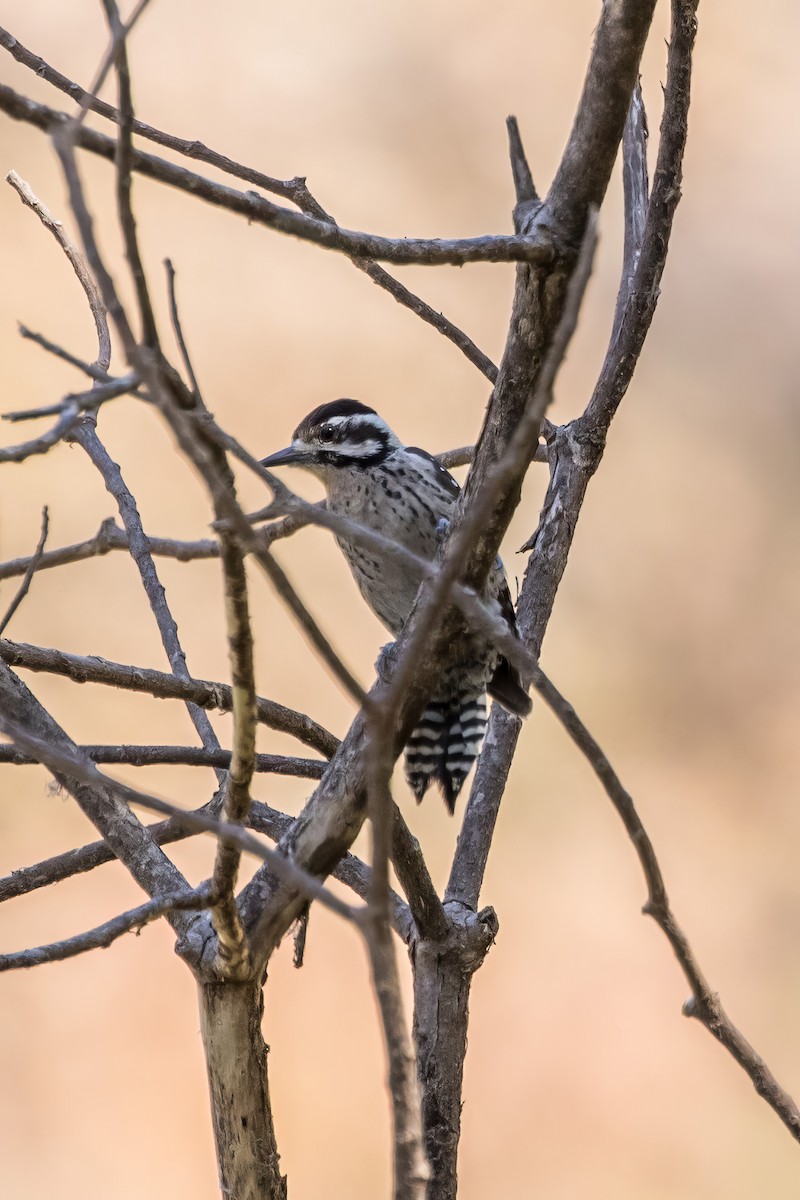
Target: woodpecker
[{"x": 406, "y": 495}]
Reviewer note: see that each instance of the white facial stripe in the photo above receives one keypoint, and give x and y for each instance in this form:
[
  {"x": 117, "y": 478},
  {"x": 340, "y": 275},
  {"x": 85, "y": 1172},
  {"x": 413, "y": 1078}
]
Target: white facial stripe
[
  {"x": 371, "y": 422},
  {"x": 359, "y": 449}
]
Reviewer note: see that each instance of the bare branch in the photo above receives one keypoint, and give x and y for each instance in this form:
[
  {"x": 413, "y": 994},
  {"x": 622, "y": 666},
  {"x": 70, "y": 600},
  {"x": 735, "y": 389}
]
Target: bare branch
[
  {"x": 97, "y": 395},
  {"x": 103, "y": 935},
  {"x": 33, "y": 564},
  {"x": 233, "y": 955},
  {"x": 188, "y": 756},
  {"x": 94, "y": 372},
  {"x": 411, "y": 1171},
  {"x": 201, "y": 692},
  {"x": 45, "y": 441},
  {"x": 493, "y": 248},
  {"x": 64, "y": 760},
  {"x": 289, "y": 189},
  {"x": 76, "y": 261},
  {"x": 576, "y": 450},
  {"x": 285, "y": 589},
  {"x": 463, "y": 456},
  {"x": 123, "y": 160},
  {"x": 350, "y": 870},
  {"x": 292, "y": 189},
  {"x": 412, "y": 871},
  {"x": 111, "y": 537},
  {"x": 86, "y": 436},
  {"x": 643, "y": 291},
  {"x": 22, "y": 714},
  {"x": 585, "y": 168},
  {"x": 704, "y": 1004},
  {"x": 524, "y": 187},
  {"x": 177, "y": 328}
]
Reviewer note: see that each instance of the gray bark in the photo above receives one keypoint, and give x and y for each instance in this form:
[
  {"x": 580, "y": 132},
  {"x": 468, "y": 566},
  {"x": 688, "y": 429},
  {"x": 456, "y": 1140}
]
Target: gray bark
[{"x": 236, "y": 1058}]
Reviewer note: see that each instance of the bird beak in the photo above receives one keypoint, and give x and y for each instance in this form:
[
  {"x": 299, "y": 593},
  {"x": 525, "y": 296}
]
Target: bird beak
[{"x": 292, "y": 456}]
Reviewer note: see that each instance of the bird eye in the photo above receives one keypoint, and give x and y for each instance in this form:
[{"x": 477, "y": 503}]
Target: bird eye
[{"x": 326, "y": 433}]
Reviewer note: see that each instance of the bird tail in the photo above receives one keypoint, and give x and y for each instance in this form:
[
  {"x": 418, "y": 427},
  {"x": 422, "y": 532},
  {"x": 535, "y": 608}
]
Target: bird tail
[{"x": 445, "y": 744}]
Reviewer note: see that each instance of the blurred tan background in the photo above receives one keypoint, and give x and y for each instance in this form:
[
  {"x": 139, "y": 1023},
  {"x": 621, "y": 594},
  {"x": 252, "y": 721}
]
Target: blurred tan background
[{"x": 675, "y": 635}]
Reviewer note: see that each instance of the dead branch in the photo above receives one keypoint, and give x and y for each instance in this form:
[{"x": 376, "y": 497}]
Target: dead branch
[
  {"x": 295, "y": 190},
  {"x": 65, "y": 762},
  {"x": 126, "y": 836},
  {"x": 704, "y": 1004},
  {"x": 233, "y": 955},
  {"x": 86, "y": 436},
  {"x": 431, "y": 252},
  {"x": 263, "y": 819},
  {"x": 30, "y": 571},
  {"x": 40, "y": 445},
  {"x": 103, "y": 935},
  {"x": 187, "y": 756},
  {"x": 202, "y": 692}
]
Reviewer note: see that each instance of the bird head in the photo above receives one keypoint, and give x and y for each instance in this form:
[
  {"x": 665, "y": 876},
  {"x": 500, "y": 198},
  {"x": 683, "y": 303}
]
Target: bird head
[{"x": 335, "y": 436}]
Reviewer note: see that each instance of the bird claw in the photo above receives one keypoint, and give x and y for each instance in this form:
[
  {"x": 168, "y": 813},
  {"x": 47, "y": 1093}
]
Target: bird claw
[{"x": 442, "y": 529}]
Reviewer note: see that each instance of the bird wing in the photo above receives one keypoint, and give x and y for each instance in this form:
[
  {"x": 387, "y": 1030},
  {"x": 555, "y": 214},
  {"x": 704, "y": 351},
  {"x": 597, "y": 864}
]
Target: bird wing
[{"x": 448, "y": 482}]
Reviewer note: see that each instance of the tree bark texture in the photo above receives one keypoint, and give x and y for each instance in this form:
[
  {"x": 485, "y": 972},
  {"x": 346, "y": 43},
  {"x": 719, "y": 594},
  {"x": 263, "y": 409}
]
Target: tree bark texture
[
  {"x": 443, "y": 971},
  {"x": 236, "y": 1058}
]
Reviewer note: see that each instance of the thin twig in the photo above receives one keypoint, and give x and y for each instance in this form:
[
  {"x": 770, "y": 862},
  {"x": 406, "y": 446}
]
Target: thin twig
[
  {"x": 411, "y": 1170},
  {"x": 295, "y": 190},
  {"x": 704, "y": 1004},
  {"x": 488, "y": 248},
  {"x": 430, "y": 920},
  {"x": 31, "y": 569},
  {"x": 524, "y": 187},
  {"x": 233, "y": 956},
  {"x": 86, "y": 99},
  {"x": 187, "y": 756},
  {"x": 86, "y": 436},
  {"x": 63, "y": 426},
  {"x": 177, "y": 327},
  {"x": 202, "y": 692},
  {"x": 642, "y": 291},
  {"x": 76, "y": 261},
  {"x": 103, "y": 935},
  {"x": 123, "y": 159},
  {"x": 263, "y": 819},
  {"x": 21, "y": 713},
  {"x": 99, "y": 394},
  {"x": 110, "y": 537},
  {"x": 90, "y": 369},
  {"x": 65, "y": 762}
]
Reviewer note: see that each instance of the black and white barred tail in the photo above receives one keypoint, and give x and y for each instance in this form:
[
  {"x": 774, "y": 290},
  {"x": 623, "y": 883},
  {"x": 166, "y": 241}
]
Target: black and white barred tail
[{"x": 445, "y": 744}]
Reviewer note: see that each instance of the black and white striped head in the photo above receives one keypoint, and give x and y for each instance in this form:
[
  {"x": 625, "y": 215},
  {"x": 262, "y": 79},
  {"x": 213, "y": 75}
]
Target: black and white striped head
[{"x": 334, "y": 436}]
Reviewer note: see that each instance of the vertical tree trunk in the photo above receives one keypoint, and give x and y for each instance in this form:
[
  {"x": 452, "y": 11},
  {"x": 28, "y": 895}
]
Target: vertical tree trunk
[
  {"x": 443, "y": 971},
  {"x": 236, "y": 1058}
]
